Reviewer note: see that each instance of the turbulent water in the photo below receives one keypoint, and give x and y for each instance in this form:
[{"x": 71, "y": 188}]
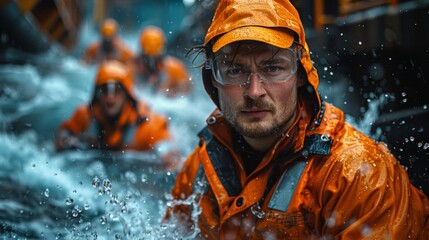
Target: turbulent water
[{"x": 80, "y": 195}]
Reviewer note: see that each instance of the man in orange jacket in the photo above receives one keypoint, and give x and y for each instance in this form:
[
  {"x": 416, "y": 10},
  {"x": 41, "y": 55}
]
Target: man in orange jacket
[
  {"x": 110, "y": 47},
  {"x": 114, "y": 119},
  {"x": 275, "y": 162},
  {"x": 164, "y": 73}
]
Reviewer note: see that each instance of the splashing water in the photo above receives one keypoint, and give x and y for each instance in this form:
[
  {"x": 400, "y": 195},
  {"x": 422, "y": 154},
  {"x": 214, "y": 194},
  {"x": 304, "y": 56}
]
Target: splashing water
[
  {"x": 370, "y": 117},
  {"x": 81, "y": 195}
]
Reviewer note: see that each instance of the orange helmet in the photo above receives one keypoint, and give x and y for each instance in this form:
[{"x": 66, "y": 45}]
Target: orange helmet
[
  {"x": 109, "y": 28},
  {"x": 115, "y": 71},
  {"x": 152, "y": 41}
]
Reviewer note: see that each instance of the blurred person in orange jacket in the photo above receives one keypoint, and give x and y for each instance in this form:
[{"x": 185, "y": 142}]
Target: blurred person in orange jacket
[
  {"x": 164, "y": 73},
  {"x": 110, "y": 46},
  {"x": 114, "y": 119},
  {"x": 275, "y": 161}
]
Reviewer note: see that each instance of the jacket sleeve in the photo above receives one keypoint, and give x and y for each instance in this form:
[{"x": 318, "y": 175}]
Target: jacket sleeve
[
  {"x": 78, "y": 122},
  {"x": 178, "y": 78},
  {"x": 367, "y": 195},
  {"x": 90, "y": 54},
  {"x": 151, "y": 132},
  {"x": 126, "y": 54},
  {"x": 180, "y": 210}
]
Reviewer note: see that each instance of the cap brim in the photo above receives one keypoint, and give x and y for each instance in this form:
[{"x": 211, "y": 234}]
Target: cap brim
[{"x": 275, "y": 37}]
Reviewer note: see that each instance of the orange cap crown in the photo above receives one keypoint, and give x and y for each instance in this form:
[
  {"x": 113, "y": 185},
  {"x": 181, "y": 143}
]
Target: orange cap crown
[
  {"x": 268, "y": 21},
  {"x": 152, "y": 41}
]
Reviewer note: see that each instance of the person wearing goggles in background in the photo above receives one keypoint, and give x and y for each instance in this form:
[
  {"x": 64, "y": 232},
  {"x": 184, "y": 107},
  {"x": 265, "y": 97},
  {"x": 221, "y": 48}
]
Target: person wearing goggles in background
[
  {"x": 114, "y": 119},
  {"x": 275, "y": 161},
  {"x": 163, "y": 73},
  {"x": 110, "y": 46}
]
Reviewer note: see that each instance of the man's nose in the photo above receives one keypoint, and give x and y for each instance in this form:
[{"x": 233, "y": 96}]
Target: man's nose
[
  {"x": 254, "y": 86},
  {"x": 110, "y": 97}
]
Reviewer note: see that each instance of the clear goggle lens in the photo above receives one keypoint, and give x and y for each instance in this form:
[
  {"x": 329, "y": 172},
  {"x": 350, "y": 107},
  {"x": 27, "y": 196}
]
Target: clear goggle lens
[
  {"x": 109, "y": 89},
  {"x": 280, "y": 68}
]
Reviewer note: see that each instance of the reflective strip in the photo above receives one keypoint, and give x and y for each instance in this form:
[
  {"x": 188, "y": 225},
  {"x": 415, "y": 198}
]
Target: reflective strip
[
  {"x": 286, "y": 187},
  {"x": 222, "y": 163},
  {"x": 128, "y": 134},
  {"x": 93, "y": 130}
]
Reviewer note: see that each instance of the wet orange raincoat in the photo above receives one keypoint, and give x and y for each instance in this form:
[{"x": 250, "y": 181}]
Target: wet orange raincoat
[
  {"x": 137, "y": 128},
  {"x": 170, "y": 76},
  {"x": 166, "y": 73},
  {"x": 322, "y": 179},
  {"x": 121, "y": 52}
]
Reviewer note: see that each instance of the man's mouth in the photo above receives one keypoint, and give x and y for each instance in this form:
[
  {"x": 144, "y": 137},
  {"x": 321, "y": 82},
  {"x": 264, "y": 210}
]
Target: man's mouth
[{"x": 255, "y": 112}]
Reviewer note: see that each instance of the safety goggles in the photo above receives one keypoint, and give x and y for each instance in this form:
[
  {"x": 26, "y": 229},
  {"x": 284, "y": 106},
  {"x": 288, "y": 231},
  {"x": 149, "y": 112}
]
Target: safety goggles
[
  {"x": 109, "y": 89},
  {"x": 280, "y": 68}
]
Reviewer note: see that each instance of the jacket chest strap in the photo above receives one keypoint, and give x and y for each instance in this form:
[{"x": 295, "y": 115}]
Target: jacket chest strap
[
  {"x": 128, "y": 132},
  {"x": 314, "y": 145},
  {"x": 221, "y": 160}
]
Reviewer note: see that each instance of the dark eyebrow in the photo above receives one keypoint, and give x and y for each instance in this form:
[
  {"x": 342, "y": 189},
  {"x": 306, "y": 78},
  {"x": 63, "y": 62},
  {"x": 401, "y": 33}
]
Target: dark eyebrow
[
  {"x": 230, "y": 63},
  {"x": 274, "y": 60}
]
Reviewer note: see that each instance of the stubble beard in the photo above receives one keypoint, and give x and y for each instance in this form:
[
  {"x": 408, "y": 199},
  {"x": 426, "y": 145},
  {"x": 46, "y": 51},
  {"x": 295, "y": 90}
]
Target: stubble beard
[{"x": 255, "y": 127}]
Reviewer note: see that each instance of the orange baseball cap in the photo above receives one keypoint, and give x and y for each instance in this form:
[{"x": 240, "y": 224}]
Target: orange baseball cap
[{"x": 270, "y": 21}]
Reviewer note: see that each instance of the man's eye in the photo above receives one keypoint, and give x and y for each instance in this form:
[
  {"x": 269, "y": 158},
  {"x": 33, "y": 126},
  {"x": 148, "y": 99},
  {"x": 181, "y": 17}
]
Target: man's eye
[
  {"x": 234, "y": 71},
  {"x": 273, "y": 69}
]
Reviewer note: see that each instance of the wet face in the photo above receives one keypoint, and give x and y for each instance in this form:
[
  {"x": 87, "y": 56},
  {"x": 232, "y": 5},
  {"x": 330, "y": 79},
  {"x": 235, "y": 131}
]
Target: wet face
[
  {"x": 264, "y": 106},
  {"x": 112, "y": 98}
]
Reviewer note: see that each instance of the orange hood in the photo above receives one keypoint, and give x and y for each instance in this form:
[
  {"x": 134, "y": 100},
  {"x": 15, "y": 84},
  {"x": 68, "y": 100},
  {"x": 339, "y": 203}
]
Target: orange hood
[
  {"x": 115, "y": 71},
  {"x": 268, "y": 21}
]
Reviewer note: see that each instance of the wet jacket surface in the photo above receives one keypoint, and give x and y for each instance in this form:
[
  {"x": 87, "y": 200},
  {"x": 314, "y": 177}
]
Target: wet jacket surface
[
  {"x": 135, "y": 129},
  {"x": 321, "y": 179},
  {"x": 337, "y": 184}
]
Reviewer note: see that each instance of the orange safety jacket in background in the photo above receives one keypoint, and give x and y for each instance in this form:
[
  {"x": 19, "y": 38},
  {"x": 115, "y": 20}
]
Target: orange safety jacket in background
[
  {"x": 169, "y": 74},
  {"x": 95, "y": 54},
  {"x": 134, "y": 130},
  {"x": 332, "y": 182}
]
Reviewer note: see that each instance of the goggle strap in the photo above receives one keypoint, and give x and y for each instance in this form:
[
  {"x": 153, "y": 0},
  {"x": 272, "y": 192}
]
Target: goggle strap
[{"x": 208, "y": 64}]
